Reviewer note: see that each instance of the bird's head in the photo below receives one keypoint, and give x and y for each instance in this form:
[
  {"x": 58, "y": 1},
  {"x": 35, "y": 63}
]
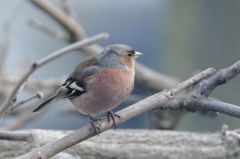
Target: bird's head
[{"x": 118, "y": 56}]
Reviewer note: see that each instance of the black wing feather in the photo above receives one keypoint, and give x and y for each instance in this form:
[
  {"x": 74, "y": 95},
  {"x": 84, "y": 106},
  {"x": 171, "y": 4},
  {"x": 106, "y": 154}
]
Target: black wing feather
[{"x": 73, "y": 86}]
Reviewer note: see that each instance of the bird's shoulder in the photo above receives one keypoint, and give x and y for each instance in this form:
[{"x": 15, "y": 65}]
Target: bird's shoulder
[
  {"x": 75, "y": 85},
  {"x": 90, "y": 61}
]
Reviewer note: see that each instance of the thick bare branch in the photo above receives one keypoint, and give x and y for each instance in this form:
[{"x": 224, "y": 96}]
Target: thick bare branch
[{"x": 221, "y": 77}]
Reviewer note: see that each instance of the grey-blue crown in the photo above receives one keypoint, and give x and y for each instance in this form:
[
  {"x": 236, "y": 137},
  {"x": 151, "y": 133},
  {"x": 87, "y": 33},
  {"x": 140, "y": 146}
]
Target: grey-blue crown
[
  {"x": 109, "y": 58},
  {"x": 123, "y": 48}
]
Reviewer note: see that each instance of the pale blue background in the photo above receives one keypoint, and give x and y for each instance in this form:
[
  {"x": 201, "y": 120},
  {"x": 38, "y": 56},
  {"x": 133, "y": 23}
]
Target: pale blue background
[{"x": 177, "y": 38}]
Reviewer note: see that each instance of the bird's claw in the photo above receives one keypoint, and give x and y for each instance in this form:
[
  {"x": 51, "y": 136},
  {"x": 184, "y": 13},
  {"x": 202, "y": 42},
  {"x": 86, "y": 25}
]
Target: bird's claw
[
  {"x": 112, "y": 115},
  {"x": 94, "y": 124}
]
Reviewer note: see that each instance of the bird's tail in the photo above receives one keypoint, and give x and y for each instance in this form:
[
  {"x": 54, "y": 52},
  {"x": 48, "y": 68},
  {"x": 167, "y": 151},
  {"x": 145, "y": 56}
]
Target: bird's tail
[{"x": 44, "y": 103}]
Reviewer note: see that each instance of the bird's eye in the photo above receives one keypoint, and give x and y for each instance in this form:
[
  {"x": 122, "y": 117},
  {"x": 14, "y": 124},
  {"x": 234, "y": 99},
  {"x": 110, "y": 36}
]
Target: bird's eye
[{"x": 131, "y": 53}]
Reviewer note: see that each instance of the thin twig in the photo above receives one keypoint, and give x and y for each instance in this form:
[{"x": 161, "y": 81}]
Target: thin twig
[
  {"x": 38, "y": 95},
  {"x": 48, "y": 30},
  {"x": 71, "y": 47},
  {"x": 221, "y": 77},
  {"x": 15, "y": 97},
  {"x": 47, "y": 59},
  {"x": 192, "y": 81}
]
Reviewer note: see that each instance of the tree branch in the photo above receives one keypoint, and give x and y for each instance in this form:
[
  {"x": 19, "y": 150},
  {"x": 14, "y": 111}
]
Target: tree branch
[
  {"x": 192, "y": 81},
  {"x": 221, "y": 77},
  {"x": 37, "y": 95},
  {"x": 195, "y": 104}
]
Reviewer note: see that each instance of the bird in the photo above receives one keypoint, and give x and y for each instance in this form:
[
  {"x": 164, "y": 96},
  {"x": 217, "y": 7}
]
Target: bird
[{"x": 100, "y": 83}]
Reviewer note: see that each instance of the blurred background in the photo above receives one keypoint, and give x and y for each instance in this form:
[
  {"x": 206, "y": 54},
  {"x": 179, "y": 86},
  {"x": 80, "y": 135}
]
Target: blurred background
[{"x": 178, "y": 38}]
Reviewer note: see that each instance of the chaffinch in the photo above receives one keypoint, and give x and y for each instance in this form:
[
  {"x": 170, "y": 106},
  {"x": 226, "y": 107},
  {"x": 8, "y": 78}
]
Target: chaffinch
[{"x": 100, "y": 83}]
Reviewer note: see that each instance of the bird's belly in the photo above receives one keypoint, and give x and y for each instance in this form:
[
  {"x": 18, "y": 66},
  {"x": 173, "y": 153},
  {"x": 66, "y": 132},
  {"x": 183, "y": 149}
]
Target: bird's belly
[
  {"x": 102, "y": 97},
  {"x": 97, "y": 103},
  {"x": 104, "y": 92}
]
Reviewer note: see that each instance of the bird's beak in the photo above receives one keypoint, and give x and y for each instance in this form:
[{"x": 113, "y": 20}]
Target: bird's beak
[{"x": 137, "y": 54}]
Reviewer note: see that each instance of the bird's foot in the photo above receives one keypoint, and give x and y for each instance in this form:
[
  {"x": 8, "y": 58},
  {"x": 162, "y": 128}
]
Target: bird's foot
[
  {"x": 94, "y": 124},
  {"x": 112, "y": 115}
]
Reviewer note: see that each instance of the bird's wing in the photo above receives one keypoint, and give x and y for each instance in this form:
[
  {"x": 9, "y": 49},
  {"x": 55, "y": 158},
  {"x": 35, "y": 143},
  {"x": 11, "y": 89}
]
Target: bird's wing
[
  {"x": 72, "y": 87},
  {"x": 75, "y": 85}
]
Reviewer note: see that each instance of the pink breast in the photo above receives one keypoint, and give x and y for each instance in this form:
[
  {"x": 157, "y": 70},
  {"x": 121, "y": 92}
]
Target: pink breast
[{"x": 105, "y": 91}]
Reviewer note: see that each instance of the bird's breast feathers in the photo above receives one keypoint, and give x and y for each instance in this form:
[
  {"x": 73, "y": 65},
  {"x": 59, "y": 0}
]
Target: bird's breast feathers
[
  {"x": 108, "y": 81},
  {"x": 104, "y": 91}
]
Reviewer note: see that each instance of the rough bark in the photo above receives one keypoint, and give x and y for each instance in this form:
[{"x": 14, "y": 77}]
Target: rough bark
[{"x": 132, "y": 144}]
